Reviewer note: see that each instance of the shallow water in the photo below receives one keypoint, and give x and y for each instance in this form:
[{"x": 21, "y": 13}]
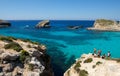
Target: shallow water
[{"x": 65, "y": 45}]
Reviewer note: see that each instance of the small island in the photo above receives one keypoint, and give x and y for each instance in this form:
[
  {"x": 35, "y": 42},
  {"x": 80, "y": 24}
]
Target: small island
[
  {"x": 105, "y": 25},
  {"x": 74, "y": 26},
  {"x": 43, "y": 24},
  {"x": 4, "y": 23}
]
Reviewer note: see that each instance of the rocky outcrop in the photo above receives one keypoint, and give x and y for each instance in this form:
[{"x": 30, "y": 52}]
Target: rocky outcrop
[
  {"x": 31, "y": 60},
  {"x": 4, "y": 24},
  {"x": 88, "y": 65},
  {"x": 43, "y": 24},
  {"x": 74, "y": 27},
  {"x": 105, "y": 25}
]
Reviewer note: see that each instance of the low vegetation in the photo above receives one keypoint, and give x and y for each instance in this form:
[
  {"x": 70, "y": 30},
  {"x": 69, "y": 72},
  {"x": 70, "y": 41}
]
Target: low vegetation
[
  {"x": 104, "y": 22},
  {"x": 83, "y": 73},
  {"x": 98, "y": 63},
  {"x": 29, "y": 46},
  {"x": 23, "y": 55},
  {"x": 89, "y": 60},
  {"x": 118, "y": 60},
  {"x": 27, "y": 40},
  {"x": 8, "y": 39},
  {"x": 68, "y": 72},
  {"x": 77, "y": 66},
  {"x": 93, "y": 66},
  {"x": 108, "y": 58},
  {"x": 13, "y": 45},
  {"x": 31, "y": 67}
]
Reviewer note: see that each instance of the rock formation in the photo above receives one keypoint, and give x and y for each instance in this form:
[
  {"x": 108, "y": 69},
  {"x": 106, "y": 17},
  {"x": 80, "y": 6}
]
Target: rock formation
[
  {"x": 88, "y": 65},
  {"x": 105, "y": 25},
  {"x": 26, "y": 59},
  {"x": 43, "y": 24},
  {"x": 74, "y": 27},
  {"x": 4, "y": 24}
]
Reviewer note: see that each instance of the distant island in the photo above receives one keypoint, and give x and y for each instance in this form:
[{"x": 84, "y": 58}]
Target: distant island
[
  {"x": 105, "y": 25},
  {"x": 4, "y": 23},
  {"x": 43, "y": 24}
]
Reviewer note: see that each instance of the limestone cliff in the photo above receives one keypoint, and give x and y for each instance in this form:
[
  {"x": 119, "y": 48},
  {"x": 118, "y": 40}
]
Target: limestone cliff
[
  {"x": 88, "y": 65},
  {"x": 20, "y": 57},
  {"x": 105, "y": 25}
]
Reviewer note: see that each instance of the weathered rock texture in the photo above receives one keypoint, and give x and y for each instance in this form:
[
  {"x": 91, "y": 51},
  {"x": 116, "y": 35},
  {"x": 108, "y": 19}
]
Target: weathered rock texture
[
  {"x": 43, "y": 24},
  {"x": 88, "y": 65},
  {"x": 105, "y": 25},
  {"x": 31, "y": 60}
]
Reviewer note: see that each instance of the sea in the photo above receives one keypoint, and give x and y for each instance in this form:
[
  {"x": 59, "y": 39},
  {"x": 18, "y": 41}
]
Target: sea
[{"x": 65, "y": 45}]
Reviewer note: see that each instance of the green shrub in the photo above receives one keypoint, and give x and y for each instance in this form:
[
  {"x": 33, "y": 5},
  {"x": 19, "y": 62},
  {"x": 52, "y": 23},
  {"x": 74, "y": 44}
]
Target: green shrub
[
  {"x": 13, "y": 45},
  {"x": 28, "y": 40},
  {"x": 98, "y": 63},
  {"x": 23, "y": 55},
  {"x": 77, "y": 65},
  {"x": 12, "y": 38},
  {"x": 88, "y": 60},
  {"x": 104, "y": 22},
  {"x": 29, "y": 46},
  {"x": 31, "y": 67},
  {"x": 108, "y": 58},
  {"x": 93, "y": 66},
  {"x": 68, "y": 72},
  {"x": 118, "y": 60},
  {"x": 83, "y": 73},
  {"x": 3, "y": 38}
]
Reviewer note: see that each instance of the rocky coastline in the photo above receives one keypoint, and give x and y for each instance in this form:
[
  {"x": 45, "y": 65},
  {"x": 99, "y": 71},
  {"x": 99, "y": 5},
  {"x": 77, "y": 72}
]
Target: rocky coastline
[
  {"x": 20, "y": 57},
  {"x": 105, "y": 25},
  {"x": 88, "y": 65}
]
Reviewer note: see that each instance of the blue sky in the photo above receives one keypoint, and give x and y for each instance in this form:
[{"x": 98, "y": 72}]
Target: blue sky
[{"x": 59, "y": 9}]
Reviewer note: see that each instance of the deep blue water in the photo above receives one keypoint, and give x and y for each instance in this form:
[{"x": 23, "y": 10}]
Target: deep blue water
[{"x": 65, "y": 45}]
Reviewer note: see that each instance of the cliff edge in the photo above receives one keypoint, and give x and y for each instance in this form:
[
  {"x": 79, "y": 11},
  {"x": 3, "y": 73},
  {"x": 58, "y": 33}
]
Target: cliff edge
[
  {"x": 19, "y": 57},
  {"x": 88, "y": 65}
]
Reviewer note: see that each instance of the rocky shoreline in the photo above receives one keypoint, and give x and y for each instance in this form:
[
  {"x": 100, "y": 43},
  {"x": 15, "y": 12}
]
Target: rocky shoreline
[
  {"x": 88, "y": 65},
  {"x": 19, "y": 57}
]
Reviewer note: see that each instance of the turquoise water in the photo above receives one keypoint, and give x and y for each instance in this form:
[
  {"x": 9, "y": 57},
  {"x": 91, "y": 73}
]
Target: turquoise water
[{"x": 65, "y": 45}]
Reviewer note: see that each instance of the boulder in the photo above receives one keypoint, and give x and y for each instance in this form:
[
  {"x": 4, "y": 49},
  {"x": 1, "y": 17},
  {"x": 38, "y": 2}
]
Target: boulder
[
  {"x": 4, "y": 24},
  {"x": 9, "y": 56},
  {"x": 36, "y": 53},
  {"x": 17, "y": 71},
  {"x": 8, "y": 68},
  {"x": 43, "y": 24}
]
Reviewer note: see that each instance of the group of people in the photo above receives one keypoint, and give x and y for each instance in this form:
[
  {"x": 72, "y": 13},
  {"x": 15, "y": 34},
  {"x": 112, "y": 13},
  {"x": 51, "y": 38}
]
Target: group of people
[{"x": 98, "y": 54}]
